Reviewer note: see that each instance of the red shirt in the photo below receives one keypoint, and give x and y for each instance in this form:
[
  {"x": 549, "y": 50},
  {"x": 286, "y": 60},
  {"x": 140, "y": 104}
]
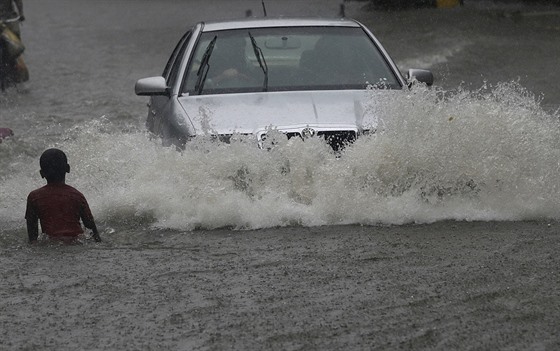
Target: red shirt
[{"x": 59, "y": 208}]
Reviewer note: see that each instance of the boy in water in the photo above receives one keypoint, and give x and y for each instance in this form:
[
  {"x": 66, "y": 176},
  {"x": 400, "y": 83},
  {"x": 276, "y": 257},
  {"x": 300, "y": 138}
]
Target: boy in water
[{"x": 58, "y": 206}]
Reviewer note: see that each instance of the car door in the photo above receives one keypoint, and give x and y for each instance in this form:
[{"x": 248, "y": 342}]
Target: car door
[{"x": 158, "y": 104}]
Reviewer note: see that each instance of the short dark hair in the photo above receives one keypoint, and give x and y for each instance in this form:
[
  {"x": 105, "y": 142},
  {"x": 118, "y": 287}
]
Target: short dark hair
[{"x": 54, "y": 164}]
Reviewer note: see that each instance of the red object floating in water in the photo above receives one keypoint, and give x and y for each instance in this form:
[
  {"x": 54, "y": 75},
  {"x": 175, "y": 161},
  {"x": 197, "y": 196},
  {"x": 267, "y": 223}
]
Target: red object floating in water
[{"x": 5, "y": 132}]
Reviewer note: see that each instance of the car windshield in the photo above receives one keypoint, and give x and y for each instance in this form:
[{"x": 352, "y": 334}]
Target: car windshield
[{"x": 287, "y": 59}]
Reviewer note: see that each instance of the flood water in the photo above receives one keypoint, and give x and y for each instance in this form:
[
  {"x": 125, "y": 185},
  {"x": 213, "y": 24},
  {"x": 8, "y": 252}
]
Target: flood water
[
  {"x": 491, "y": 119},
  {"x": 482, "y": 145}
]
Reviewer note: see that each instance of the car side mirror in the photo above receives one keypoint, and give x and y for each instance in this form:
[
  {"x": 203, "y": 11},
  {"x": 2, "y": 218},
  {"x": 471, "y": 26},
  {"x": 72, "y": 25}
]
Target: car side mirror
[
  {"x": 421, "y": 75},
  {"x": 151, "y": 86}
]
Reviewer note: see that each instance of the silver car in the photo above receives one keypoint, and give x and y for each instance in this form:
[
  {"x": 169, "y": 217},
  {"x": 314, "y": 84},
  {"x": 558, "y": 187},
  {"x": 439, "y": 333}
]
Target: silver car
[{"x": 300, "y": 77}]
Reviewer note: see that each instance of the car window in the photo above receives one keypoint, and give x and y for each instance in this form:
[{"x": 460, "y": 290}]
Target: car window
[
  {"x": 172, "y": 67},
  {"x": 285, "y": 59}
]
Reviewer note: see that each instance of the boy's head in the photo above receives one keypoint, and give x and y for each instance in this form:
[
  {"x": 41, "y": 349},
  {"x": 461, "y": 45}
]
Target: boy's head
[{"x": 54, "y": 165}]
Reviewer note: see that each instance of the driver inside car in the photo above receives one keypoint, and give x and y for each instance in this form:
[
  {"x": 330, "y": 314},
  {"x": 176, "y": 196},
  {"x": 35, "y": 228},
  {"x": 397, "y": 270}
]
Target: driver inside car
[{"x": 229, "y": 65}]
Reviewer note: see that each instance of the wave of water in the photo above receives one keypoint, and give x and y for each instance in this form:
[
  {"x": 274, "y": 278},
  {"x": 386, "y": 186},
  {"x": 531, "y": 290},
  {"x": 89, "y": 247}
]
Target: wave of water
[{"x": 490, "y": 154}]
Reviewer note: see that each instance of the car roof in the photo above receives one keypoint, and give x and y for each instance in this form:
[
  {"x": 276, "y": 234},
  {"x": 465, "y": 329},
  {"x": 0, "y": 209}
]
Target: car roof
[{"x": 278, "y": 22}]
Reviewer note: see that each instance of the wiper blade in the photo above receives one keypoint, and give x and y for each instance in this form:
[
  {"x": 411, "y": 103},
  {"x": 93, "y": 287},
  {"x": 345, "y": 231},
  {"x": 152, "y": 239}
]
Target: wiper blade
[
  {"x": 261, "y": 60},
  {"x": 204, "y": 67}
]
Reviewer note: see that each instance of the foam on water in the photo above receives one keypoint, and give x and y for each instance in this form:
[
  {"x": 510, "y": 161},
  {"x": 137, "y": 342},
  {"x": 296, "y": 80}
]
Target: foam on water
[{"x": 491, "y": 154}]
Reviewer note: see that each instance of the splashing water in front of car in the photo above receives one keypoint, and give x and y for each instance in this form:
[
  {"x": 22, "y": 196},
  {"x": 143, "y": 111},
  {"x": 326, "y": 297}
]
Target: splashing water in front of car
[{"x": 490, "y": 154}]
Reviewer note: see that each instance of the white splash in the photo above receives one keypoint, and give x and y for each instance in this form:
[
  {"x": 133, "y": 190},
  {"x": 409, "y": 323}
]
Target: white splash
[{"x": 491, "y": 154}]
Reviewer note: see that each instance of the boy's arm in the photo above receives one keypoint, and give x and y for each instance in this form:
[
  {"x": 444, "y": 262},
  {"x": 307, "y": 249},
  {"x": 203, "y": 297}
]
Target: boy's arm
[
  {"x": 32, "y": 229},
  {"x": 87, "y": 219},
  {"x": 91, "y": 225},
  {"x": 32, "y": 223}
]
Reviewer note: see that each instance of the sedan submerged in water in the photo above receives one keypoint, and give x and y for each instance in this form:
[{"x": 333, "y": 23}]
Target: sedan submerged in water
[{"x": 300, "y": 77}]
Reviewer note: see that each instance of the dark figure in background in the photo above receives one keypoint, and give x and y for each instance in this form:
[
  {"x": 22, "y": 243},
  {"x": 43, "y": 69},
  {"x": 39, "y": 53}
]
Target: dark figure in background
[
  {"x": 11, "y": 9},
  {"x": 12, "y": 67},
  {"x": 58, "y": 206}
]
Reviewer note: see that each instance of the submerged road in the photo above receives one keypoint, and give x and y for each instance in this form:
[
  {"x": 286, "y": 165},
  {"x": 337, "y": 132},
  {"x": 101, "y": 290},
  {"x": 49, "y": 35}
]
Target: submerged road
[{"x": 462, "y": 274}]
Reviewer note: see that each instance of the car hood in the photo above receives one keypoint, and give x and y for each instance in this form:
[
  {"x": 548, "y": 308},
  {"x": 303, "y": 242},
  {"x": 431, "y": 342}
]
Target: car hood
[{"x": 252, "y": 113}]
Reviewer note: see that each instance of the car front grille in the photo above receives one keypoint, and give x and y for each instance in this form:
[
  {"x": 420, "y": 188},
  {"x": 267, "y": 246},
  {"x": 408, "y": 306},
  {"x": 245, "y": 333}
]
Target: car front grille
[{"x": 336, "y": 139}]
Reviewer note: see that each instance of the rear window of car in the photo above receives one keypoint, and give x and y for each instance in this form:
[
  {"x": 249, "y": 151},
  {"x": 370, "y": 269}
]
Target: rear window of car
[{"x": 287, "y": 59}]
